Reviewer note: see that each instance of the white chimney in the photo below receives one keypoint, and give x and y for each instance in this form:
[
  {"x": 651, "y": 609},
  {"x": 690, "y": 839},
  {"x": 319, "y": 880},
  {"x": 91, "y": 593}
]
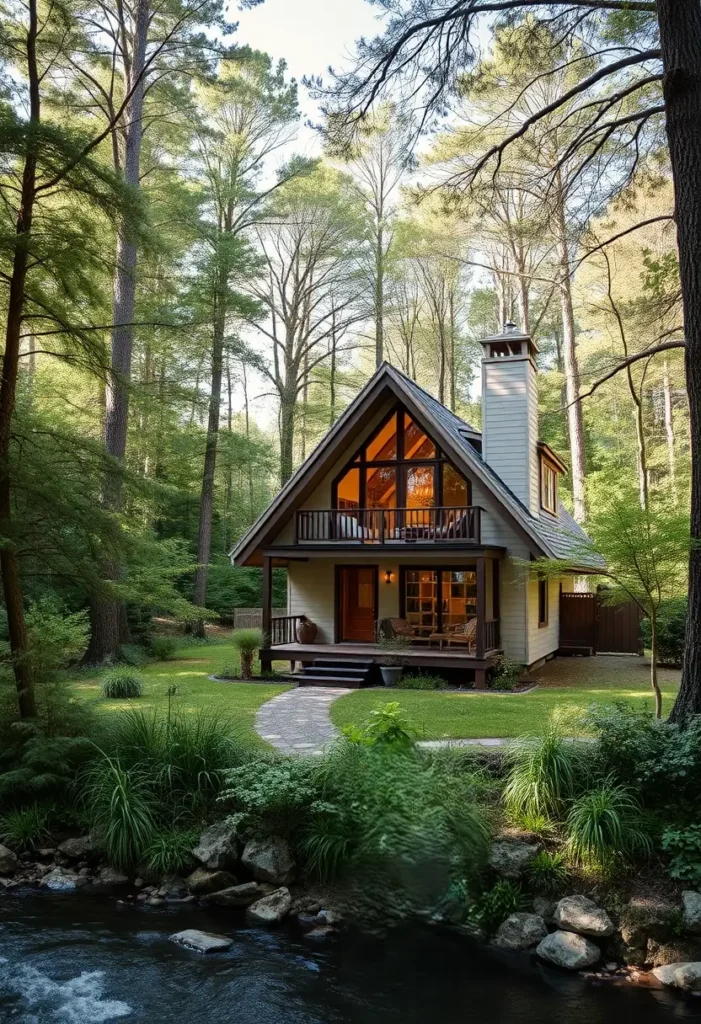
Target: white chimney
[{"x": 510, "y": 412}]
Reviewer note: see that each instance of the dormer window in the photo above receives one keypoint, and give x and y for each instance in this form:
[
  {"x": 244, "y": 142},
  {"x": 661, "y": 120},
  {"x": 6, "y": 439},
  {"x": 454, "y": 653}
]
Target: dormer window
[{"x": 551, "y": 465}]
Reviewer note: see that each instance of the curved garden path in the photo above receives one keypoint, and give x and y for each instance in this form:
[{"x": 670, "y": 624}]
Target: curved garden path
[{"x": 298, "y": 722}]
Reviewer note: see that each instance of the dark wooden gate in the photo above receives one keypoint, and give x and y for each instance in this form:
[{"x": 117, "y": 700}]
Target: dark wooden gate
[{"x": 589, "y": 626}]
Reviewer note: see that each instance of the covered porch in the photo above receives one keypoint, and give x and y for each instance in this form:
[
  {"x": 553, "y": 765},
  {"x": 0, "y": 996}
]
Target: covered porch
[{"x": 447, "y": 614}]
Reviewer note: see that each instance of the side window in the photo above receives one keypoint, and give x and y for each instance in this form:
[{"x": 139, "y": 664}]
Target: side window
[{"x": 542, "y": 602}]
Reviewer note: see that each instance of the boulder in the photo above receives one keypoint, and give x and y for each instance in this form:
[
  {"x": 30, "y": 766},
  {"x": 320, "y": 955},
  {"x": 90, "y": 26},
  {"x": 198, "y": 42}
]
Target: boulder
[
  {"x": 202, "y": 942},
  {"x": 321, "y": 932},
  {"x": 520, "y": 931},
  {"x": 62, "y": 880},
  {"x": 77, "y": 848},
  {"x": 510, "y": 858},
  {"x": 202, "y": 881},
  {"x": 544, "y": 908},
  {"x": 568, "y": 950},
  {"x": 271, "y": 909},
  {"x": 676, "y": 951},
  {"x": 688, "y": 977},
  {"x": 241, "y": 895},
  {"x": 218, "y": 847},
  {"x": 579, "y": 914},
  {"x": 665, "y": 974},
  {"x": 269, "y": 860},
  {"x": 691, "y": 909},
  {"x": 9, "y": 862},
  {"x": 645, "y": 918},
  {"x": 110, "y": 876}
]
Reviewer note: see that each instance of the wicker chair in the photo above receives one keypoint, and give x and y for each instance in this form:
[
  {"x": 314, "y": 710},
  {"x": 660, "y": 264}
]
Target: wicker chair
[
  {"x": 463, "y": 633},
  {"x": 392, "y": 628}
]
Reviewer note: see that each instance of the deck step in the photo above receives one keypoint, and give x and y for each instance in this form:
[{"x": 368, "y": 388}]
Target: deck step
[{"x": 333, "y": 672}]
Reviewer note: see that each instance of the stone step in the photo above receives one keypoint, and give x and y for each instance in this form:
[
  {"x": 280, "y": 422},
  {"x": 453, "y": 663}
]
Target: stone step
[{"x": 302, "y": 679}]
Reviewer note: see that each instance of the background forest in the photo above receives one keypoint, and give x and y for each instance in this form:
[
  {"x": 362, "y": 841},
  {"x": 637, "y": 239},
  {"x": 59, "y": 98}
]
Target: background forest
[{"x": 189, "y": 304}]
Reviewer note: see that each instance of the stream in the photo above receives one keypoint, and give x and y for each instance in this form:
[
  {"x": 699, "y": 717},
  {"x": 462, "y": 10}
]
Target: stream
[{"x": 87, "y": 960}]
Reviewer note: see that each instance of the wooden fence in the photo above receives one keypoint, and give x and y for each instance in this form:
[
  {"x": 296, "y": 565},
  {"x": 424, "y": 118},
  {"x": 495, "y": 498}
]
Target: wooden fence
[
  {"x": 587, "y": 622},
  {"x": 252, "y": 618}
]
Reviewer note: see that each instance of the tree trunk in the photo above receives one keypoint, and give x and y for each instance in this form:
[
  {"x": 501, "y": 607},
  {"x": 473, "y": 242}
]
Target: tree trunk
[
  {"x": 108, "y": 614},
  {"x": 669, "y": 428},
  {"x": 653, "y": 664},
  {"x": 9, "y": 563},
  {"x": 379, "y": 294},
  {"x": 575, "y": 425},
  {"x": 680, "y": 37},
  {"x": 332, "y": 371},
  {"x": 287, "y": 435}
]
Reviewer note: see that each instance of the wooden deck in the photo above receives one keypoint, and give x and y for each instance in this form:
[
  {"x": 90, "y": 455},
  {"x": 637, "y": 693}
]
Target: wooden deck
[{"x": 420, "y": 656}]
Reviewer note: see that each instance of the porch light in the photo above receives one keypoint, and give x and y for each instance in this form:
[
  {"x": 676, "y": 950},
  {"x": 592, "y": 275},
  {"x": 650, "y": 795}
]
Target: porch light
[{"x": 389, "y": 576}]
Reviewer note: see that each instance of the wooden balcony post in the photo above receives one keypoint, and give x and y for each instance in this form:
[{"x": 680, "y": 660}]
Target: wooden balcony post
[
  {"x": 266, "y": 663},
  {"x": 481, "y": 608}
]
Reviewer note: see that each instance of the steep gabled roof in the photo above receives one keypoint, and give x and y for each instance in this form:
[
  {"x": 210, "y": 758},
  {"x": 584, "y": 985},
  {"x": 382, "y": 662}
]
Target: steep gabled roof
[{"x": 552, "y": 537}]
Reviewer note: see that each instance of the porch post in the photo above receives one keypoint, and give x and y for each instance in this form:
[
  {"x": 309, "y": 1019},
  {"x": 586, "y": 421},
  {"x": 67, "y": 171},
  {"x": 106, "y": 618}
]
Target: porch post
[
  {"x": 481, "y": 608},
  {"x": 266, "y": 663}
]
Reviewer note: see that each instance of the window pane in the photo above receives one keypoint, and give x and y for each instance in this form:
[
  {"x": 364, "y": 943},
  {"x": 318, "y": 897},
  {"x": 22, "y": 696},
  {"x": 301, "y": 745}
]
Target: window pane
[
  {"x": 384, "y": 444},
  {"x": 420, "y": 488},
  {"x": 455, "y": 488},
  {"x": 458, "y": 597},
  {"x": 421, "y": 600},
  {"x": 348, "y": 490},
  {"x": 381, "y": 487},
  {"x": 416, "y": 444}
]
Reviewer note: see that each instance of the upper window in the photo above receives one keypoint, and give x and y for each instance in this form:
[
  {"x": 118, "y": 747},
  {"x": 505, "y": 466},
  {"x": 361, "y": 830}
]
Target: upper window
[
  {"x": 548, "y": 487},
  {"x": 400, "y": 467},
  {"x": 542, "y": 602}
]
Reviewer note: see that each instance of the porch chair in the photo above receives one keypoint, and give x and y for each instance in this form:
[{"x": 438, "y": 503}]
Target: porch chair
[
  {"x": 461, "y": 633},
  {"x": 392, "y": 627}
]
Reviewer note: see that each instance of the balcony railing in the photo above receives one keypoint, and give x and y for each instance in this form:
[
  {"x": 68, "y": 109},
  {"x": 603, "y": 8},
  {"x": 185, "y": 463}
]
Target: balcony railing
[
  {"x": 283, "y": 629},
  {"x": 492, "y": 638},
  {"x": 389, "y": 525}
]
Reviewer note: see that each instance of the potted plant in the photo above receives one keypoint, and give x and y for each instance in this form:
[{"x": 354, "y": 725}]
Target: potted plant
[
  {"x": 392, "y": 646},
  {"x": 306, "y": 630}
]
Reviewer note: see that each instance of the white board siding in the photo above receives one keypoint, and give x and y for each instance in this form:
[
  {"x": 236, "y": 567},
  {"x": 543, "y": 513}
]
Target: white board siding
[
  {"x": 510, "y": 425},
  {"x": 543, "y": 640}
]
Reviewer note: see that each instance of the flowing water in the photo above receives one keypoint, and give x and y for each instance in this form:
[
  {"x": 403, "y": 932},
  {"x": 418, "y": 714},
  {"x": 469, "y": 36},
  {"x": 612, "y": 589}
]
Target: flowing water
[{"x": 87, "y": 960}]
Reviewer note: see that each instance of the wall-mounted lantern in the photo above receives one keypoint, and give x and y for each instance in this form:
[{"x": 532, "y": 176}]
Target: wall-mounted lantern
[{"x": 389, "y": 575}]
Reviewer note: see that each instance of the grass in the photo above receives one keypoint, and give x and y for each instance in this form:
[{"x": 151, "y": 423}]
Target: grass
[
  {"x": 189, "y": 673},
  {"x": 568, "y": 685}
]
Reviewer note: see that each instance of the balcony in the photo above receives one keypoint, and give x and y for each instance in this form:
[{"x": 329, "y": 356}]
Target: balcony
[{"x": 378, "y": 526}]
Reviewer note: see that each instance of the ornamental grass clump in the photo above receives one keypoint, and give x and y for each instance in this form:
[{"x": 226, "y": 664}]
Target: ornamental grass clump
[
  {"x": 545, "y": 773},
  {"x": 248, "y": 642},
  {"x": 605, "y": 829},
  {"x": 122, "y": 683}
]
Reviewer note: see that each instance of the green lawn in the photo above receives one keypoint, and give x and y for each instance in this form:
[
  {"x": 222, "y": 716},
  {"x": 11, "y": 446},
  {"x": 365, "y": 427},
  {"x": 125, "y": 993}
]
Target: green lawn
[
  {"x": 565, "y": 686},
  {"x": 189, "y": 673}
]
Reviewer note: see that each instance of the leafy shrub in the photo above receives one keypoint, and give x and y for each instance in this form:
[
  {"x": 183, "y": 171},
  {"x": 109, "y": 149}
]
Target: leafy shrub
[
  {"x": 496, "y": 904},
  {"x": 386, "y": 726},
  {"x": 164, "y": 648},
  {"x": 505, "y": 673},
  {"x": 547, "y": 872},
  {"x": 248, "y": 642},
  {"x": 170, "y": 853},
  {"x": 122, "y": 683},
  {"x": 421, "y": 681},
  {"x": 229, "y": 671},
  {"x": 56, "y": 637},
  {"x": 272, "y": 794},
  {"x": 683, "y": 845},
  {"x": 133, "y": 654},
  {"x": 604, "y": 828},
  {"x": 120, "y": 806},
  {"x": 35, "y": 766},
  {"x": 545, "y": 773},
  {"x": 671, "y": 627},
  {"x": 25, "y": 827}
]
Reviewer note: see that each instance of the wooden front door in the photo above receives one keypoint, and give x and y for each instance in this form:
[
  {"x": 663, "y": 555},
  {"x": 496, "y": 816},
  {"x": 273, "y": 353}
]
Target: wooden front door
[{"x": 358, "y": 609}]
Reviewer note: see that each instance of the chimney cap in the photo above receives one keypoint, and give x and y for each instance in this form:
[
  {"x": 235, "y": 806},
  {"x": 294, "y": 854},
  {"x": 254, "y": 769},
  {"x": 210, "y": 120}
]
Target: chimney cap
[{"x": 511, "y": 333}]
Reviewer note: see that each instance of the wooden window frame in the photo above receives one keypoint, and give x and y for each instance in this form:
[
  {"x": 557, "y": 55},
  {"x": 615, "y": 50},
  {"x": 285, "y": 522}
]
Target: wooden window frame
[
  {"x": 359, "y": 461},
  {"x": 546, "y": 465},
  {"x": 544, "y": 588},
  {"x": 437, "y": 568}
]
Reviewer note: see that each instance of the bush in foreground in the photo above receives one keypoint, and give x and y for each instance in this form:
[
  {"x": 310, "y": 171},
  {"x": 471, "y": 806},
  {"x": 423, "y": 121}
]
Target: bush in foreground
[{"x": 248, "y": 643}]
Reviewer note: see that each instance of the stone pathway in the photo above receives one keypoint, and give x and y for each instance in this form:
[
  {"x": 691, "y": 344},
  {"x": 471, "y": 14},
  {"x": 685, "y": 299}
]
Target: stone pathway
[{"x": 297, "y": 721}]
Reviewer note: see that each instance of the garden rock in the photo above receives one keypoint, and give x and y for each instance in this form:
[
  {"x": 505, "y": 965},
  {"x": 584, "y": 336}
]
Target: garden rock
[
  {"x": 61, "y": 880},
  {"x": 510, "y": 858},
  {"x": 568, "y": 950},
  {"x": 520, "y": 931},
  {"x": 202, "y": 942},
  {"x": 665, "y": 974},
  {"x": 110, "y": 876},
  {"x": 218, "y": 847},
  {"x": 202, "y": 881},
  {"x": 77, "y": 848},
  {"x": 241, "y": 895},
  {"x": 269, "y": 860},
  {"x": 677, "y": 951},
  {"x": 691, "y": 904},
  {"x": 579, "y": 914},
  {"x": 688, "y": 977},
  {"x": 321, "y": 932},
  {"x": 644, "y": 919},
  {"x": 544, "y": 908},
  {"x": 9, "y": 861},
  {"x": 271, "y": 909}
]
